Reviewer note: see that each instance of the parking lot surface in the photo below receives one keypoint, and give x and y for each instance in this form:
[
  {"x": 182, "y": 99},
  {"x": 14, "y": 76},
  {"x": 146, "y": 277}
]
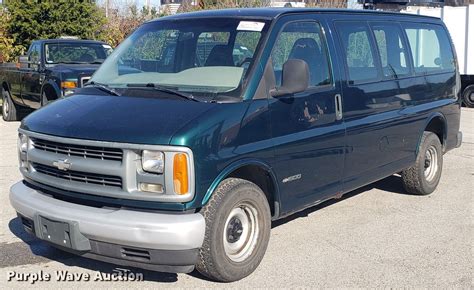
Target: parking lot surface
[{"x": 376, "y": 236}]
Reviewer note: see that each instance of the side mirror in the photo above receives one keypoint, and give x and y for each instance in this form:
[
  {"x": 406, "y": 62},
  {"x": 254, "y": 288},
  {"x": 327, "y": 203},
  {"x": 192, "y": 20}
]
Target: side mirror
[
  {"x": 23, "y": 61},
  {"x": 295, "y": 78}
]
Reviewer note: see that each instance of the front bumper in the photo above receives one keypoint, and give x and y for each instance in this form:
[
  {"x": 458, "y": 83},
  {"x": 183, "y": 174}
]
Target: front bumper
[
  {"x": 458, "y": 139},
  {"x": 156, "y": 241}
]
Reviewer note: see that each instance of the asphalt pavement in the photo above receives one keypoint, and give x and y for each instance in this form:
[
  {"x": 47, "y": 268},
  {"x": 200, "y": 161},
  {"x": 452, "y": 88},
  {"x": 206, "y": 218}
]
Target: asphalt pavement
[{"x": 376, "y": 236}]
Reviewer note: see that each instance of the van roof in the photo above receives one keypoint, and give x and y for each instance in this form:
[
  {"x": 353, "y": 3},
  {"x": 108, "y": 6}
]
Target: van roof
[
  {"x": 68, "y": 40},
  {"x": 271, "y": 13}
]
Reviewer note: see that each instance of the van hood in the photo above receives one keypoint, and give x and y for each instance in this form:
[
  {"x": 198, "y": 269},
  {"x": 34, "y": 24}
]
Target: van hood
[{"x": 124, "y": 119}]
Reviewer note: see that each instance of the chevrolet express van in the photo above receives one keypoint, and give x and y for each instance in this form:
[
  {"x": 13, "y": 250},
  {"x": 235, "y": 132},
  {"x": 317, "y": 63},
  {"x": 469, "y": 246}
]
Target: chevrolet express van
[{"x": 176, "y": 157}]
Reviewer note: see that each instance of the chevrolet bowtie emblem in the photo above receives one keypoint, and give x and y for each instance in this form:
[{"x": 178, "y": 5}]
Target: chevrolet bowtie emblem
[{"x": 62, "y": 164}]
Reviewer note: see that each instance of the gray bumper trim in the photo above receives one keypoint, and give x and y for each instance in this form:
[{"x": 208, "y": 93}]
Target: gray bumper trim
[
  {"x": 459, "y": 139},
  {"x": 118, "y": 226}
]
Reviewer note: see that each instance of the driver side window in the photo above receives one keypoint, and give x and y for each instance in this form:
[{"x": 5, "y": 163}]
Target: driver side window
[
  {"x": 302, "y": 40},
  {"x": 34, "y": 56}
]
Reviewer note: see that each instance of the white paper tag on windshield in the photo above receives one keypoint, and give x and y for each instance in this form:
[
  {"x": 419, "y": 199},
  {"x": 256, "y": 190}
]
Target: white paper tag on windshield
[{"x": 250, "y": 26}]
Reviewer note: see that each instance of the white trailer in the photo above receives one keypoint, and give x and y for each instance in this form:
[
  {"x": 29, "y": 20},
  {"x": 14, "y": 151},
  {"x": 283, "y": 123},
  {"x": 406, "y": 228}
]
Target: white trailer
[
  {"x": 288, "y": 4},
  {"x": 460, "y": 23}
]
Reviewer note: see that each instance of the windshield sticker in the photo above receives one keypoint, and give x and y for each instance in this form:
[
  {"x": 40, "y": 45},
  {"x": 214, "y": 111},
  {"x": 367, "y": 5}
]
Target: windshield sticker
[{"x": 250, "y": 26}]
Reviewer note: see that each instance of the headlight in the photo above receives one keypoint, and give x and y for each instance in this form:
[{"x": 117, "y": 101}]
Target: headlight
[
  {"x": 22, "y": 150},
  {"x": 22, "y": 143},
  {"x": 153, "y": 161}
]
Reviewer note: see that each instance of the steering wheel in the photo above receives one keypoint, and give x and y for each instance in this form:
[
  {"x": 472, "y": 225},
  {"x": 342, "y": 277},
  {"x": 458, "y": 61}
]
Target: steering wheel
[{"x": 246, "y": 60}]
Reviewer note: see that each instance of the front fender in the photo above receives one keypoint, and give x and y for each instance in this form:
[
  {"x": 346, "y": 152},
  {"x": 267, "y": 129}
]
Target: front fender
[{"x": 236, "y": 165}]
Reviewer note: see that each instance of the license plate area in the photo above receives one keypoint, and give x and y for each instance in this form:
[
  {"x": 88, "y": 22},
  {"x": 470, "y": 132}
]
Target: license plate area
[
  {"x": 56, "y": 232},
  {"x": 62, "y": 233}
]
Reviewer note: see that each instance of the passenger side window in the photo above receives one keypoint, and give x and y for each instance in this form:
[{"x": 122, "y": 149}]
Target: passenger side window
[
  {"x": 430, "y": 48},
  {"x": 302, "y": 40},
  {"x": 359, "y": 53},
  {"x": 392, "y": 49}
]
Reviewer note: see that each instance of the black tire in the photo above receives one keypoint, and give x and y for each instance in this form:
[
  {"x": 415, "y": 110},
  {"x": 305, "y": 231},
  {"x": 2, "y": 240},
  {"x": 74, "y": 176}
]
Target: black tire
[
  {"x": 9, "y": 110},
  {"x": 216, "y": 260},
  {"x": 468, "y": 96},
  {"x": 423, "y": 177}
]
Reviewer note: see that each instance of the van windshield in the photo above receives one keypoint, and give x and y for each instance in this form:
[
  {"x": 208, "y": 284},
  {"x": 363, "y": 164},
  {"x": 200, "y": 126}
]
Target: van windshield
[{"x": 197, "y": 56}]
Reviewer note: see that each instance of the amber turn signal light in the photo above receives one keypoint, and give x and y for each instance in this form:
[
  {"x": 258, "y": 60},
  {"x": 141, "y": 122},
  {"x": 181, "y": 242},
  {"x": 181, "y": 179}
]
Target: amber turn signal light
[
  {"x": 68, "y": 85},
  {"x": 180, "y": 173}
]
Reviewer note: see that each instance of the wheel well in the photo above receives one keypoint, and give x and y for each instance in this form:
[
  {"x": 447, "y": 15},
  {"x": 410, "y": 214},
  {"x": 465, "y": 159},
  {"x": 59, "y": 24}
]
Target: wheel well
[
  {"x": 261, "y": 177},
  {"x": 437, "y": 126},
  {"x": 50, "y": 91},
  {"x": 5, "y": 86}
]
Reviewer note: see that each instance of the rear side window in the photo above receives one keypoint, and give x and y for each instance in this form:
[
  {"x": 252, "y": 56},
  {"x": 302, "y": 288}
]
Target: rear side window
[
  {"x": 430, "y": 48},
  {"x": 359, "y": 53},
  {"x": 392, "y": 48}
]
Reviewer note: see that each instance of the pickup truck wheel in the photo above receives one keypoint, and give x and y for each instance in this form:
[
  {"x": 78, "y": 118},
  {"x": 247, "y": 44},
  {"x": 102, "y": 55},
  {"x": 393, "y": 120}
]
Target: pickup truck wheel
[
  {"x": 238, "y": 222},
  {"x": 423, "y": 177},
  {"x": 468, "y": 96},
  {"x": 9, "y": 112}
]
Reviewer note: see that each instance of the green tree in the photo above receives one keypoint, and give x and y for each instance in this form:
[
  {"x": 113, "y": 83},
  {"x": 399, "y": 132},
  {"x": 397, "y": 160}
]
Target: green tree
[
  {"x": 29, "y": 20},
  {"x": 8, "y": 51}
]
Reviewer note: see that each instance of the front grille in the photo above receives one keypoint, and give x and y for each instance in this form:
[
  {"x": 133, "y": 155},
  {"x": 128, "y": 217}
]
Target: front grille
[
  {"x": 90, "y": 178},
  {"x": 93, "y": 152}
]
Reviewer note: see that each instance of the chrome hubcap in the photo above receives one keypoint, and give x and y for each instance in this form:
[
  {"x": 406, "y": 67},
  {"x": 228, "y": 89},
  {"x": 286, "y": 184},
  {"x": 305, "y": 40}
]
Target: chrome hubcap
[
  {"x": 431, "y": 163},
  {"x": 241, "y": 232},
  {"x": 471, "y": 97}
]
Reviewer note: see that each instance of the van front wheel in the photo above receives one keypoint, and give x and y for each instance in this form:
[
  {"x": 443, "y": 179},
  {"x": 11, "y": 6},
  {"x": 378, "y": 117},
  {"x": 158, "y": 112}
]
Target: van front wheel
[
  {"x": 238, "y": 225},
  {"x": 423, "y": 177}
]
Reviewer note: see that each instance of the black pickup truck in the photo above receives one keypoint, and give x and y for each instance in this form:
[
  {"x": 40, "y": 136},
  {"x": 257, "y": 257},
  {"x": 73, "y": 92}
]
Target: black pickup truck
[{"x": 51, "y": 69}]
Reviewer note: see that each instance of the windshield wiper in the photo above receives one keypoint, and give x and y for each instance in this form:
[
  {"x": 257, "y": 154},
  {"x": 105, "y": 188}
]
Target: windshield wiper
[
  {"x": 164, "y": 89},
  {"x": 103, "y": 87}
]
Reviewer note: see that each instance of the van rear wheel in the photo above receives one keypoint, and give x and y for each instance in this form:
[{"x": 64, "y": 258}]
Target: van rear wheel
[
  {"x": 238, "y": 222},
  {"x": 423, "y": 177}
]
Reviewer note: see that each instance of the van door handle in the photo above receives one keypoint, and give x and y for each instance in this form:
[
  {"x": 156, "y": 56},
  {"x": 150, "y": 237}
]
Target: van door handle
[{"x": 338, "y": 101}]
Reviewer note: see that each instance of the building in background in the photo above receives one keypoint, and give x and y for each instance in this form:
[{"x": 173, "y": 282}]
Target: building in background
[{"x": 397, "y": 5}]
